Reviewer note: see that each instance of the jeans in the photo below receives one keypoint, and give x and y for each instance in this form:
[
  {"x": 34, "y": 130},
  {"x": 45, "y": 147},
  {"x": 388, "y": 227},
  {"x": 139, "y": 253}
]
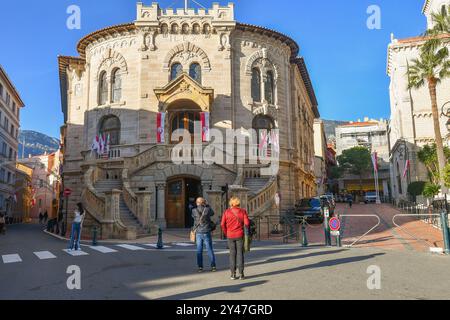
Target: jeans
[
  {"x": 205, "y": 238},
  {"x": 236, "y": 255},
  {"x": 76, "y": 232}
]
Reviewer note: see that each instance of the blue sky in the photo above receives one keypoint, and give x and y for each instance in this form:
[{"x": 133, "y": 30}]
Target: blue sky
[{"x": 346, "y": 60}]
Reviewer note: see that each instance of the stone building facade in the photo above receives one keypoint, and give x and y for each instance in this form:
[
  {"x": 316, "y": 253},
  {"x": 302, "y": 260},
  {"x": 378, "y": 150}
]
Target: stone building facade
[
  {"x": 10, "y": 105},
  {"x": 175, "y": 66},
  {"x": 371, "y": 134},
  {"x": 411, "y": 123}
]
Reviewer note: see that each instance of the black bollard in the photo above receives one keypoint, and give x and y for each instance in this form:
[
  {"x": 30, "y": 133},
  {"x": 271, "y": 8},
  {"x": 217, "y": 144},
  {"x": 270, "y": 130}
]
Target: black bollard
[
  {"x": 160, "y": 244},
  {"x": 94, "y": 237}
]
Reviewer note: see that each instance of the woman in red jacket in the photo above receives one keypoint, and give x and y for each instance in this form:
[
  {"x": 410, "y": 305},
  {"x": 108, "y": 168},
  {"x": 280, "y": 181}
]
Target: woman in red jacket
[{"x": 235, "y": 222}]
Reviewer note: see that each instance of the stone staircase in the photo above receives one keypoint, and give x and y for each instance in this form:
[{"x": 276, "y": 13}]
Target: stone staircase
[
  {"x": 103, "y": 186},
  {"x": 126, "y": 216},
  {"x": 129, "y": 220},
  {"x": 255, "y": 184}
]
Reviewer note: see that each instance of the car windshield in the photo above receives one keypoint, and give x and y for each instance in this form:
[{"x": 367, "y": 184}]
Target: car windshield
[
  {"x": 314, "y": 203},
  {"x": 371, "y": 194}
]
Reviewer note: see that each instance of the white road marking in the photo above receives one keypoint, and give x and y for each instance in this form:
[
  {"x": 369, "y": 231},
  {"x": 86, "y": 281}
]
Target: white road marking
[
  {"x": 45, "y": 255},
  {"x": 103, "y": 249},
  {"x": 11, "y": 258},
  {"x": 74, "y": 253},
  {"x": 155, "y": 246},
  {"x": 130, "y": 247},
  {"x": 181, "y": 244}
]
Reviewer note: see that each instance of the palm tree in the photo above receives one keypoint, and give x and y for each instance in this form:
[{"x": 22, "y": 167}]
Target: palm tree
[
  {"x": 432, "y": 66},
  {"x": 441, "y": 23}
]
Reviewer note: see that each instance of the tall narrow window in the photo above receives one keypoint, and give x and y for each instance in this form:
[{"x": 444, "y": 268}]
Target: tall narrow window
[
  {"x": 195, "y": 72},
  {"x": 269, "y": 88},
  {"x": 102, "y": 89},
  {"x": 116, "y": 86},
  {"x": 256, "y": 85},
  {"x": 110, "y": 126},
  {"x": 176, "y": 71},
  {"x": 184, "y": 120}
]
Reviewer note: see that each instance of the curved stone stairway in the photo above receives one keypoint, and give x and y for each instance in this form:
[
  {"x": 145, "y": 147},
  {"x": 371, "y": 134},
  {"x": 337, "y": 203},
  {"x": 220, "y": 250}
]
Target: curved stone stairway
[{"x": 126, "y": 216}]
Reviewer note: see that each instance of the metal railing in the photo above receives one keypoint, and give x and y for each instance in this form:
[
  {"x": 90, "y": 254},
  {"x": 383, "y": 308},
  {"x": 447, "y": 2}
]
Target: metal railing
[{"x": 368, "y": 232}]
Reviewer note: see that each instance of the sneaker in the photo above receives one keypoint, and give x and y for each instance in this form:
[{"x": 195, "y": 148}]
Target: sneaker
[
  {"x": 200, "y": 270},
  {"x": 214, "y": 269},
  {"x": 233, "y": 277},
  {"x": 242, "y": 277}
]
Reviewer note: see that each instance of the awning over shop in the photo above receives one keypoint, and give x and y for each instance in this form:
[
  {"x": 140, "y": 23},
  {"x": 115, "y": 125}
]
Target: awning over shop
[{"x": 367, "y": 186}]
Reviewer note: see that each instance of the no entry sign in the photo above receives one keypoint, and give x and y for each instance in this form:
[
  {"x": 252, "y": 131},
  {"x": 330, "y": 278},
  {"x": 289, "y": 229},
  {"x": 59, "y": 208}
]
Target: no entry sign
[
  {"x": 67, "y": 192},
  {"x": 335, "y": 224}
]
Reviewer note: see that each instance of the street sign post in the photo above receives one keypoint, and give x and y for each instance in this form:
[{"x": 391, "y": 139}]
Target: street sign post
[
  {"x": 335, "y": 227},
  {"x": 326, "y": 214}
]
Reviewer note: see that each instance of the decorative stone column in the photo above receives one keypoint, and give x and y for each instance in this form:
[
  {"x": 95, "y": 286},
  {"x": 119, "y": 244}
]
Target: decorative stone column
[
  {"x": 112, "y": 212},
  {"x": 161, "y": 209},
  {"x": 215, "y": 201},
  {"x": 206, "y": 187},
  {"x": 241, "y": 193},
  {"x": 144, "y": 210}
]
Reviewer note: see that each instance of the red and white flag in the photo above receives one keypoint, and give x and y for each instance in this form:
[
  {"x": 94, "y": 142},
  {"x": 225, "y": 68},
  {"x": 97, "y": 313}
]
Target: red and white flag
[
  {"x": 95, "y": 145},
  {"x": 160, "y": 122},
  {"x": 375, "y": 161},
  {"x": 407, "y": 165},
  {"x": 205, "y": 117},
  {"x": 263, "y": 143}
]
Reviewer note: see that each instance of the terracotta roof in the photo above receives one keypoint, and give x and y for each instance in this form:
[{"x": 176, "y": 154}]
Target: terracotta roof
[
  {"x": 11, "y": 86},
  {"x": 300, "y": 62},
  {"x": 360, "y": 124},
  {"x": 85, "y": 41},
  {"x": 295, "y": 49}
]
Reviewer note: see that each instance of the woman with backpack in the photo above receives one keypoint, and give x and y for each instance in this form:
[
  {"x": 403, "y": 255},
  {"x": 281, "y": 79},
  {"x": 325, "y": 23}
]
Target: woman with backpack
[
  {"x": 203, "y": 228},
  {"x": 235, "y": 225}
]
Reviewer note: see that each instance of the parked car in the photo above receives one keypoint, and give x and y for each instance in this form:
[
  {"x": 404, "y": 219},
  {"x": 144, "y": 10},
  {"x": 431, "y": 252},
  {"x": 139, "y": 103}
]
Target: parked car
[
  {"x": 310, "y": 208},
  {"x": 370, "y": 197}
]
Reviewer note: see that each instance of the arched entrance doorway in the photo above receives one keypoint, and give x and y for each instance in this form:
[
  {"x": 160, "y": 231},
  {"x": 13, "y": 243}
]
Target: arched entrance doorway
[{"x": 180, "y": 196}]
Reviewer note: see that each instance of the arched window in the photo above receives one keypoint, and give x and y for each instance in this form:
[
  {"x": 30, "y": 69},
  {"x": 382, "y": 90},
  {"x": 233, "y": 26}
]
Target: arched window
[
  {"x": 256, "y": 85},
  {"x": 184, "y": 120},
  {"x": 116, "y": 86},
  {"x": 270, "y": 88},
  {"x": 195, "y": 72},
  {"x": 102, "y": 89},
  {"x": 262, "y": 122},
  {"x": 110, "y": 126},
  {"x": 176, "y": 71}
]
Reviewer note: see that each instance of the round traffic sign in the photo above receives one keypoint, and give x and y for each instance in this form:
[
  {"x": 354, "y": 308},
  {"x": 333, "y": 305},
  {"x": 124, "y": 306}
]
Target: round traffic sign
[
  {"x": 335, "y": 224},
  {"x": 67, "y": 192}
]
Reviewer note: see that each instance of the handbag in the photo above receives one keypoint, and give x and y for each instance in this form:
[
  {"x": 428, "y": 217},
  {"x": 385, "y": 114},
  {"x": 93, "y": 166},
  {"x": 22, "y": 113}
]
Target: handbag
[{"x": 193, "y": 235}]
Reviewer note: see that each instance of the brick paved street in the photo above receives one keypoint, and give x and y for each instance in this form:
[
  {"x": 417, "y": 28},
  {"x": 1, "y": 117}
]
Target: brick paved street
[{"x": 386, "y": 236}]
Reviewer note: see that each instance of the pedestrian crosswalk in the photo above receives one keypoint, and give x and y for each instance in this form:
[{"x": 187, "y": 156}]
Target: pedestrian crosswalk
[
  {"x": 92, "y": 250},
  {"x": 44, "y": 255}
]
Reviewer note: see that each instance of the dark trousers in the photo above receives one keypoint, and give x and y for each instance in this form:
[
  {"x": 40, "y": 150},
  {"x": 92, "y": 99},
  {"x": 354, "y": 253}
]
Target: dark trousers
[{"x": 236, "y": 255}]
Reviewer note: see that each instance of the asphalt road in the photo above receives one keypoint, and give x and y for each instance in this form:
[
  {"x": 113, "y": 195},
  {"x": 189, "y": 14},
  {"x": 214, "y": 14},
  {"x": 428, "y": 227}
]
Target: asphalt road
[{"x": 273, "y": 272}]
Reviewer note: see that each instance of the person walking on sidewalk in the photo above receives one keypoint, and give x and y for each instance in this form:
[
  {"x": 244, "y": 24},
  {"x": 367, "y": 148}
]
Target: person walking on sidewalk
[
  {"x": 203, "y": 227},
  {"x": 2, "y": 223},
  {"x": 350, "y": 200},
  {"x": 77, "y": 225},
  {"x": 235, "y": 224}
]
